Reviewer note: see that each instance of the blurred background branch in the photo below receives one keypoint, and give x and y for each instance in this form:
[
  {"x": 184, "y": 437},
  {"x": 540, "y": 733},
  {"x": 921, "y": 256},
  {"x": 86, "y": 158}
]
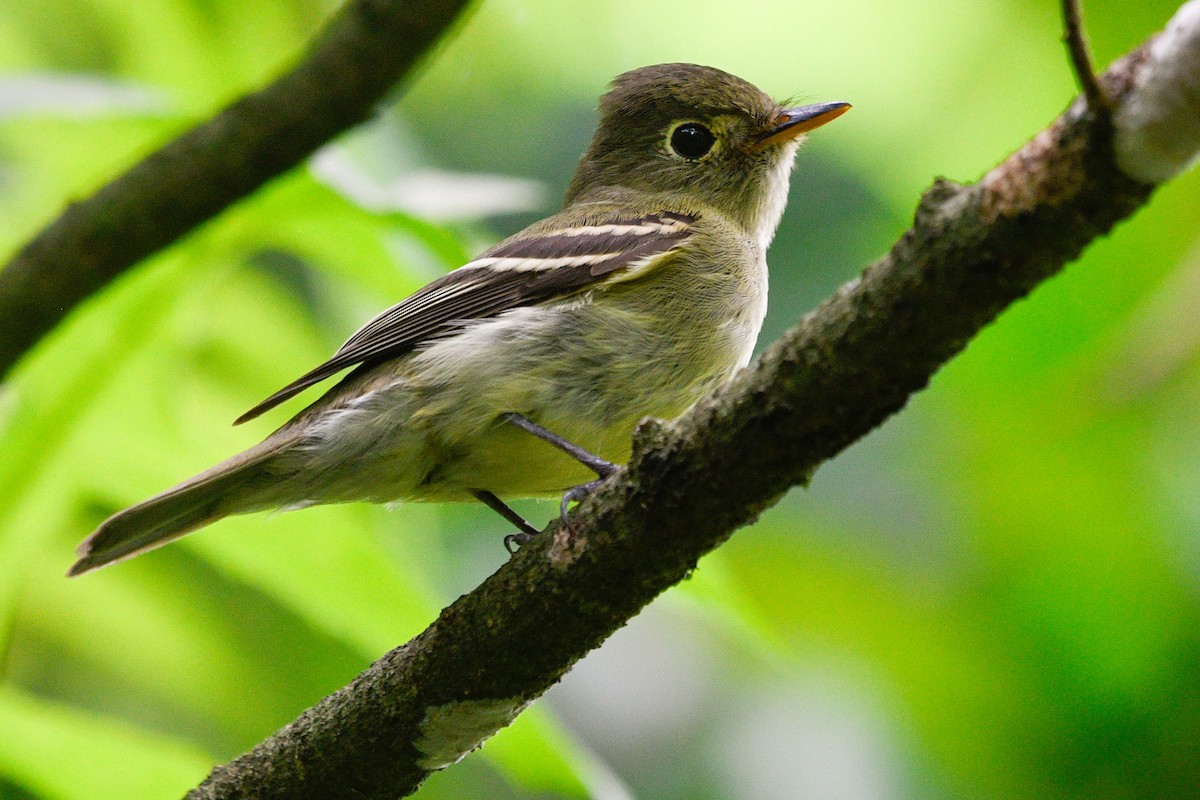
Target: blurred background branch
[{"x": 362, "y": 52}]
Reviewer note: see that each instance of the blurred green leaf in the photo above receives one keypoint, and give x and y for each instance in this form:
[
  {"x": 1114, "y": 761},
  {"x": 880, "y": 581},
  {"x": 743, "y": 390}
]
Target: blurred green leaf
[{"x": 65, "y": 754}]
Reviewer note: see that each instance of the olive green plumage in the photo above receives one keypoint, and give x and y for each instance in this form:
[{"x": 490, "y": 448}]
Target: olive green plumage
[{"x": 644, "y": 293}]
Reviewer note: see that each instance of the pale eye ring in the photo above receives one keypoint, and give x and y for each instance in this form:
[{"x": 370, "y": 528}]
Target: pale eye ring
[{"x": 691, "y": 140}]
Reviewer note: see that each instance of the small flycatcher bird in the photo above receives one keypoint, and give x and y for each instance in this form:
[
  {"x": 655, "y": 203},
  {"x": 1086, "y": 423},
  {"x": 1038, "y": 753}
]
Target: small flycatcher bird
[{"x": 524, "y": 372}]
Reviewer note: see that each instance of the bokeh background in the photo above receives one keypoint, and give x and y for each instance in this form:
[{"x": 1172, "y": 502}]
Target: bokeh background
[{"x": 992, "y": 596}]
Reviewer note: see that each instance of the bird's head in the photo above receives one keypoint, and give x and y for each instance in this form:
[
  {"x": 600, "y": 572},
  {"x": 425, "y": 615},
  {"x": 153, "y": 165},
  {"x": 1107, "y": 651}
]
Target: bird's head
[{"x": 700, "y": 136}]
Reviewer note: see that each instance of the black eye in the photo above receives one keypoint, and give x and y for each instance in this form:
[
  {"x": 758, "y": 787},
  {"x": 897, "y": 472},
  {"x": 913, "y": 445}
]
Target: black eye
[{"x": 692, "y": 140}]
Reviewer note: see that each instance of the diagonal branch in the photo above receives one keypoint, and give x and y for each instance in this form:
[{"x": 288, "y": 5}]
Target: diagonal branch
[
  {"x": 972, "y": 251},
  {"x": 359, "y": 55}
]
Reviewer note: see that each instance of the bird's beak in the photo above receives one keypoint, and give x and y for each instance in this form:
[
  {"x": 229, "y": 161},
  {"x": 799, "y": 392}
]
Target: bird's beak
[{"x": 792, "y": 122}]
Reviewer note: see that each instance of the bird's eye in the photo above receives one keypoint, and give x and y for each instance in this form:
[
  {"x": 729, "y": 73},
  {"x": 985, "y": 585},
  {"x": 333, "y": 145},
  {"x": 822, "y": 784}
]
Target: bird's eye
[{"x": 692, "y": 140}]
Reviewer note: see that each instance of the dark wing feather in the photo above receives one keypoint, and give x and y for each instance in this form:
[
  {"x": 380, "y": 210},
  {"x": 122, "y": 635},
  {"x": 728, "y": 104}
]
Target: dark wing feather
[{"x": 521, "y": 271}]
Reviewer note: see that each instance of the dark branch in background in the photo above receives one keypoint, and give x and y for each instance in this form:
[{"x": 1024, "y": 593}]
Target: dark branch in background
[
  {"x": 972, "y": 251},
  {"x": 1081, "y": 58},
  {"x": 359, "y": 55}
]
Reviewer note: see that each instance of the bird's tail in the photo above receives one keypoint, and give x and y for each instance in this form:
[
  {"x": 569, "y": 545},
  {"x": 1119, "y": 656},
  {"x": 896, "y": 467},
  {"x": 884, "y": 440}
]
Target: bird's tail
[{"x": 237, "y": 486}]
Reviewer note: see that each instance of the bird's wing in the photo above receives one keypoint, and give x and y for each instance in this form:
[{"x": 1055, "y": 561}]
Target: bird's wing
[{"x": 520, "y": 271}]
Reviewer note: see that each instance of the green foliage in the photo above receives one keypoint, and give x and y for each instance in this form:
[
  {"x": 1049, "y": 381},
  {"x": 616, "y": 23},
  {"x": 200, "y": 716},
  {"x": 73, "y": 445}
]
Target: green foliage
[{"x": 1002, "y": 582}]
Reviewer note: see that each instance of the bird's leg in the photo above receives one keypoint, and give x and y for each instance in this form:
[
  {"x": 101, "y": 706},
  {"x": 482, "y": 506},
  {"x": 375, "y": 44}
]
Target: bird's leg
[
  {"x": 513, "y": 541},
  {"x": 593, "y": 462},
  {"x": 576, "y": 494}
]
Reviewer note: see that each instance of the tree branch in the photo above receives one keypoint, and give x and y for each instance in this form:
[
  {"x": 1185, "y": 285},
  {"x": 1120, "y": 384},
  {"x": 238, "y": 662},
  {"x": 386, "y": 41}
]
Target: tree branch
[
  {"x": 843, "y": 370},
  {"x": 1081, "y": 57},
  {"x": 361, "y": 53}
]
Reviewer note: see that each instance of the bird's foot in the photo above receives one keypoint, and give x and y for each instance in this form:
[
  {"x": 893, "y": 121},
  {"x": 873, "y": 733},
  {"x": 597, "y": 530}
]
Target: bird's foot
[
  {"x": 515, "y": 541},
  {"x": 578, "y": 494},
  {"x": 595, "y": 463},
  {"x": 512, "y": 542}
]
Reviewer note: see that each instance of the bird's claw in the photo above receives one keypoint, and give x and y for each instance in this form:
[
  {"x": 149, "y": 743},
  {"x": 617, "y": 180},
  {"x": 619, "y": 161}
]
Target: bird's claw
[
  {"x": 577, "y": 493},
  {"x": 515, "y": 541}
]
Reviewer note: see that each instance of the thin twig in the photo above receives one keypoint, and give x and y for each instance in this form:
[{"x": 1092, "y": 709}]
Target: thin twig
[{"x": 1081, "y": 59}]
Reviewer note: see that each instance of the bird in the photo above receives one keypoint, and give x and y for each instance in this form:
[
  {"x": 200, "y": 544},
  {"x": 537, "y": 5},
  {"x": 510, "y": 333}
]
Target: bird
[{"x": 524, "y": 372}]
